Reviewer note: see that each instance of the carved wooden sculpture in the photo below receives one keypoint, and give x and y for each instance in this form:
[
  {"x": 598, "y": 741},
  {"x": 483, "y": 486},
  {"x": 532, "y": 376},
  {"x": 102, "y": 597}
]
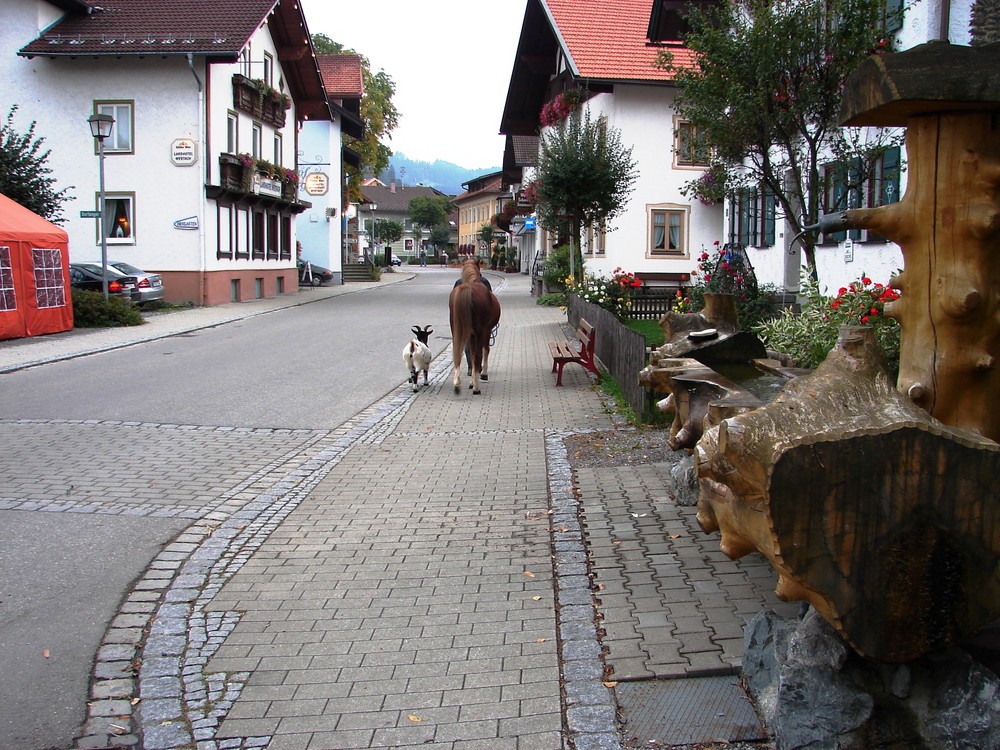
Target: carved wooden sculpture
[
  {"x": 947, "y": 223},
  {"x": 881, "y": 517},
  {"x": 878, "y": 503}
]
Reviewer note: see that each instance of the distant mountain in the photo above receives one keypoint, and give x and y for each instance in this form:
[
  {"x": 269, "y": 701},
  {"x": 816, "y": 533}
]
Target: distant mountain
[{"x": 441, "y": 175}]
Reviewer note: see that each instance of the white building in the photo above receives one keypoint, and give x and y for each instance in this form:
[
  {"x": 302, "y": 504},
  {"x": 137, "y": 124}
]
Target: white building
[
  {"x": 201, "y": 171},
  {"x": 606, "y": 50}
]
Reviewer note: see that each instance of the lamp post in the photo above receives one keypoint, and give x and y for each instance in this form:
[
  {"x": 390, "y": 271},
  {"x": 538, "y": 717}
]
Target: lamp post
[
  {"x": 371, "y": 238},
  {"x": 100, "y": 128}
]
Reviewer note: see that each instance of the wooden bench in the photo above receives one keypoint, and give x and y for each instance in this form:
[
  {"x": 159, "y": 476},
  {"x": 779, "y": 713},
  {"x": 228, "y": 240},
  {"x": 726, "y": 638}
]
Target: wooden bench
[{"x": 581, "y": 351}]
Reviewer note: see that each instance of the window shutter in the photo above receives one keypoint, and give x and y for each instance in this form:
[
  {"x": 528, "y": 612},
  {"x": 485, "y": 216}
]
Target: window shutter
[
  {"x": 854, "y": 192},
  {"x": 889, "y": 189},
  {"x": 893, "y": 16},
  {"x": 770, "y": 203}
]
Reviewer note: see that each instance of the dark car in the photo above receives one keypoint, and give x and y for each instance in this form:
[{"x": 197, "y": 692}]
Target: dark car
[
  {"x": 149, "y": 286},
  {"x": 88, "y": 276},
  {"x": 310, "y": 273}
]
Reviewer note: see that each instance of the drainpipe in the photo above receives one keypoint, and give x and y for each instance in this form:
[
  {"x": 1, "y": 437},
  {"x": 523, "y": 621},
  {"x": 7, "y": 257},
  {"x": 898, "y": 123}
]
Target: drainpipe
[
  {"x": 202, "y": 262},
  {"x": 945, "y": 21}
]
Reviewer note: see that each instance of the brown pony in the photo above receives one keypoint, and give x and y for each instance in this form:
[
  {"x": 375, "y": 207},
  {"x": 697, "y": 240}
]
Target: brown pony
[{"x": 475, "y": 312}]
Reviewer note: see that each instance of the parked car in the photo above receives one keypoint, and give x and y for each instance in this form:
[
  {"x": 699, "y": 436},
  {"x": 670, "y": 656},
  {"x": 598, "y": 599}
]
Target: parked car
[
  {"x": 396, "y": 260},
  {"x": 149, "y": 287},
  {"x": 88, "y": 276},
  {"x": 319, "y": 274}
]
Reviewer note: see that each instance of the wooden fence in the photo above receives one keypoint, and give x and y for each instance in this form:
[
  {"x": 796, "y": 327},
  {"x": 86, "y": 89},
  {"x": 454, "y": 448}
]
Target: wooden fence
[
  {"x": 651, "y": 302},
  {"x": 621, "y": 351}
]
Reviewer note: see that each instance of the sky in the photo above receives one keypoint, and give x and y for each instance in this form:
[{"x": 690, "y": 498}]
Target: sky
[{"x": 451, "y": 62}]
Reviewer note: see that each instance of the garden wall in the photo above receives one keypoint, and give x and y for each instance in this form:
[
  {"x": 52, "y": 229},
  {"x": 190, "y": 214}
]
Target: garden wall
[{"x": 621, "y": 351}]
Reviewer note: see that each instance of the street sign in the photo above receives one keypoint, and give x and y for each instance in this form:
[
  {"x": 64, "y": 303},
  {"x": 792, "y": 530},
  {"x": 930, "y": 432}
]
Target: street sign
[{"x": 90, "y": 214}]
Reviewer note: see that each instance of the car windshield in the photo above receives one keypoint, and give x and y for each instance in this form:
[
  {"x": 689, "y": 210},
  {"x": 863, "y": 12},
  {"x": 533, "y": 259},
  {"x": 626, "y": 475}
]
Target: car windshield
[{"x": 125, "y": 267}]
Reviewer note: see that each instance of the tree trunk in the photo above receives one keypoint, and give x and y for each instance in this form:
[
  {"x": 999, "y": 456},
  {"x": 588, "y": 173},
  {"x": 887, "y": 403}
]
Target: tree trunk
[{"x": 948, "y": 226}]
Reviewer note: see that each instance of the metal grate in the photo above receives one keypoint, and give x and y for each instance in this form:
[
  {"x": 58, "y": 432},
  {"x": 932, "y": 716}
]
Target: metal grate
[{"x": 686, "y": 711}]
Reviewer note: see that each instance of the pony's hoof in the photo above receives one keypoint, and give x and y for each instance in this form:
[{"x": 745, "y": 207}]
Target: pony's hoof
[
  {"x": 477, "y": 393},
  {"x": 458, "y": 389},
  {"x": 484, "y": 377}
]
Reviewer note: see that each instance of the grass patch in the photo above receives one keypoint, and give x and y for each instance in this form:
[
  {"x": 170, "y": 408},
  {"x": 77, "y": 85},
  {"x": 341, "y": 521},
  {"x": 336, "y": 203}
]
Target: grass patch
[
  {"x": 613, "y": 393},
  {"x": 160, "y": 306},
  {"x": 552, "y": 299},
  {"x": 648, "y": 328}
]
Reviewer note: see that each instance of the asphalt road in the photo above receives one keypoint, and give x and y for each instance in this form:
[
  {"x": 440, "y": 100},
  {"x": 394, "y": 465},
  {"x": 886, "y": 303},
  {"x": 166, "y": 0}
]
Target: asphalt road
[{"x": 63, "y": 574}]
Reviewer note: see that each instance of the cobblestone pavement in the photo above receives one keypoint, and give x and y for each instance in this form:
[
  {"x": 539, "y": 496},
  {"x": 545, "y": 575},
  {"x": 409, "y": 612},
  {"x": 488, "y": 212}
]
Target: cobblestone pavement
[{"x": 423, "y": 575}]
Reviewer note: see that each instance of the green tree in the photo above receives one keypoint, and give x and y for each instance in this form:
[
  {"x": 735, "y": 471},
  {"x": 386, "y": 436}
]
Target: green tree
[
  {"x": 378, "y": 113},
  {"x": 584, "y": 177},
  {"x": 24, "y": 177},
  {"x": 428, "y": 211},
  {"x": 388, "y": 230},
  {"x": 440, "y": 235},
  {"x": 764, "y": 98}
]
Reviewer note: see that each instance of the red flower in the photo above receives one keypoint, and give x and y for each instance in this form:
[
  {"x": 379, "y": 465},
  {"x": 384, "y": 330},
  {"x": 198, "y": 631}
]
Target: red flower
[{"x": 864, "y": 319}]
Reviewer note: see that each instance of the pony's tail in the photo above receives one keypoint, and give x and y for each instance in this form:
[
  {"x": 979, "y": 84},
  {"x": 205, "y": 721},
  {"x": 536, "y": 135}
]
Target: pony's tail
[{"x": 461, "y": 322}]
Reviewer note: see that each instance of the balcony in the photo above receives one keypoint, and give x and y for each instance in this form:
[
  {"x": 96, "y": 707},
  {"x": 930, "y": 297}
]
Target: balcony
[
  {"x": 247, "y": 180},
  {"x": 256, "y": 98}
]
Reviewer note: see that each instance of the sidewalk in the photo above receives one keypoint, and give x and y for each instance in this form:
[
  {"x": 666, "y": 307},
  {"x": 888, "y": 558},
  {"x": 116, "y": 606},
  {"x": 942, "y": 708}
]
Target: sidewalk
[{"x": 432, "y": 573}]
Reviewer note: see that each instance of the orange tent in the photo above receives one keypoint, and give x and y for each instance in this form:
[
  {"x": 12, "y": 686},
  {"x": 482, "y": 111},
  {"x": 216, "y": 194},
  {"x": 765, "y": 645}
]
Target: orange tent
[{"x": 34, "y": 274}]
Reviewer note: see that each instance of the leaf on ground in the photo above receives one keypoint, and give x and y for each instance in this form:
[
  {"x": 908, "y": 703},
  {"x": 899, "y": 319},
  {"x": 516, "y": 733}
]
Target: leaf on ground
[
  {"x": 609, "y": 683},
  {"x": 414, "y": 718},
  {"x": 537, "y": 598},
  {"x": 529, "y": 574},
  {"x": 45, "y": 653}
]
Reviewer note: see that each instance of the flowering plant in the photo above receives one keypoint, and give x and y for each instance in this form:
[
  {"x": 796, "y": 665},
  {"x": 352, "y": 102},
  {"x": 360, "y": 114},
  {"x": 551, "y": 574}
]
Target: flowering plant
[
  {"x": 290, "y": 176},
  {"x": 613, "y": 294},
  {"x": 809, "y": 336},
  {"x": 710, "y": 188},
  {"x": 726, "y": 269},
  {"x": 681, "y": 304},
  {"x": 558, "y": 109}
]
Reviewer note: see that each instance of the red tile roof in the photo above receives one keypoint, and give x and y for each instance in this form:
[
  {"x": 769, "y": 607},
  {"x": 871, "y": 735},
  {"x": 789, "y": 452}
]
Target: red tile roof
[
  {"x": 606, "y": 39},
  {"x": 341, "y": 76},
  {"x": 154, "y": 27}
]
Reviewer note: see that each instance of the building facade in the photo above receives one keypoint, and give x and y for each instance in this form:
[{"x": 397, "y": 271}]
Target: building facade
[{"x": 201, "y": 177}]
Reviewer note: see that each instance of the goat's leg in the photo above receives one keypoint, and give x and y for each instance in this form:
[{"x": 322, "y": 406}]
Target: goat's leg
[
  {"x": 413, "y": 377},
  {"x": 426, "y": 383}
]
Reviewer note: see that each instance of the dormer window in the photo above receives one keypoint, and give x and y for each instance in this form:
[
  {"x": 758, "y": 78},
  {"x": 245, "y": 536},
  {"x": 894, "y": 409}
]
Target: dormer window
[{"x": 668, "y": 22}]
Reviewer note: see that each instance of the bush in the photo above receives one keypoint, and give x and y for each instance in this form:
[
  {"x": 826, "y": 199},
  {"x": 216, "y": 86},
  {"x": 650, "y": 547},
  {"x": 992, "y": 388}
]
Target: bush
[
  {"x": 614, "y": 294},
  {"x": 556, "y": 270},
  {"x": 809, "y": 336},
  {"x": 91, "y": 310}
]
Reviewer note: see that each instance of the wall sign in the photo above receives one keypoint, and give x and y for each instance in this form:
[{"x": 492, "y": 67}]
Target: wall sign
[
  {"x": 191, "y": 222},
  {"x": 183, "y": 152}
]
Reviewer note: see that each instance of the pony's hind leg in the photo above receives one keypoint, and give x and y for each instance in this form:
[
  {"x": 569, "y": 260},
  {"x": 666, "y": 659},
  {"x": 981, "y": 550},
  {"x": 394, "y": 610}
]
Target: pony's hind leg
[
  {"x": 484, "y": 373},
  {"x": 456, "y": 373}
]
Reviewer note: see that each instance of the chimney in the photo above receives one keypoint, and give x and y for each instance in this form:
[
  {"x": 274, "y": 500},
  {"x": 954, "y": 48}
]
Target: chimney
[{"x": 392, "y": 186}]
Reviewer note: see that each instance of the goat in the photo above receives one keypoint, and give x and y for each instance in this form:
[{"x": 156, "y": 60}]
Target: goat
[{"x": 417, "y": 355}]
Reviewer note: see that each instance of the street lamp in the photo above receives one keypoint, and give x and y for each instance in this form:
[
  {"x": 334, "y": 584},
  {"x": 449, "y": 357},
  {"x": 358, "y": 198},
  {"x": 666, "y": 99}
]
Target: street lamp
[
  {"x": 100, "y": 128},
  {"x": 371, "y": 237}
]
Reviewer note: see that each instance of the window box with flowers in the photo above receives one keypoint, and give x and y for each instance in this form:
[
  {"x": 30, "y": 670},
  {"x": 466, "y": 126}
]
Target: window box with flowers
[
  {"x": 560, "y": 107},
  {"x": 237, "y": 173},
  {"x": 257, "y": 98}
]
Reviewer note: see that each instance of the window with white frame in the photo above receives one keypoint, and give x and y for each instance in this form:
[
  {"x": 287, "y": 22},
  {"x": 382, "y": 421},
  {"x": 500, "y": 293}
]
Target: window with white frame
[
  {"x": 268, "y": 69},
  {"x": 118, "y": 221},
  {"x": 245, "y": 62},
  {"x": 232, "y": 133},
  {"x": 277, "y": 149},
  {"x": 689, "y": 151},
  {"x": 593, "y": 240},
  {"x": 667, "y": 230},
  {"x": 257, "y": 140},
  {"x": 120, "y": 140}
]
